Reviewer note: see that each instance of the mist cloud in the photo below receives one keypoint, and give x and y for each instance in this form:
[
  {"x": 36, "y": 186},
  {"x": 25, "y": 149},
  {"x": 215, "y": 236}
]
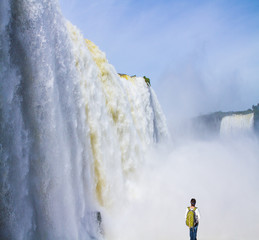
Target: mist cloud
[{"x": 223, "y": 177}]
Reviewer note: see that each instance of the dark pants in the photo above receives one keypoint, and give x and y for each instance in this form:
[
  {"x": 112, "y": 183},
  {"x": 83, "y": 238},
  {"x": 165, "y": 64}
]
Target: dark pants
[{"x": 193, "y": 233}]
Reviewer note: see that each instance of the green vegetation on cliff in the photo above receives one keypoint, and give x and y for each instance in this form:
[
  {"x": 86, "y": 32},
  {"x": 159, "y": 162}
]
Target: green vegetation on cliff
[{"x": 147, "y": 80}]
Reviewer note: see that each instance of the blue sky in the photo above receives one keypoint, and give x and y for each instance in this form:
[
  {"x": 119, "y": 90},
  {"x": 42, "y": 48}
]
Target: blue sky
[{"x": 201, "y": 56}]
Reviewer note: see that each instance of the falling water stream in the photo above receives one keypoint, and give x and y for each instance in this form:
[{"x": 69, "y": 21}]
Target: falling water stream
[{"x": 73, "y": 132}]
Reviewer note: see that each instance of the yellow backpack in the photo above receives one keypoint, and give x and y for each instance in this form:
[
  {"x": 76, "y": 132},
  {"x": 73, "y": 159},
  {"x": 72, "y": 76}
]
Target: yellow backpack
[{"x": 191, "y": 220}]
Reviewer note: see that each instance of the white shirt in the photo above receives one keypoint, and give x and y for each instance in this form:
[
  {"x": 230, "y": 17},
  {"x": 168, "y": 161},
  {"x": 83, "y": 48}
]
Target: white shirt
[{"x": 196, "y": 212}]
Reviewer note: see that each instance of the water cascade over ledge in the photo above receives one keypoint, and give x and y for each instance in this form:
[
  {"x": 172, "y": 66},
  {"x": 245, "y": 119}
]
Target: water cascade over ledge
[
  {"x": 236, "y": 124},
  {"x": 73, "y": 132}
]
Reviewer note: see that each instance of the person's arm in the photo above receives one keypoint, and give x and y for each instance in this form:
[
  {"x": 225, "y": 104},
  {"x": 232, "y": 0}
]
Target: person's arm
[{"x": 198, "y": 214}]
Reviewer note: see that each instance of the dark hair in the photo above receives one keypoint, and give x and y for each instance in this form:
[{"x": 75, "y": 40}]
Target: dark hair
[{"x": 193, "y": 202}]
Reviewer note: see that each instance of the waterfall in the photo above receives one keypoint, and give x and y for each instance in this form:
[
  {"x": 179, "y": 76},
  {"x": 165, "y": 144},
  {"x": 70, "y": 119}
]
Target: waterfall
[
  {"x": 236, "y": 124},
  {"x": 73, "y": 132}
]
